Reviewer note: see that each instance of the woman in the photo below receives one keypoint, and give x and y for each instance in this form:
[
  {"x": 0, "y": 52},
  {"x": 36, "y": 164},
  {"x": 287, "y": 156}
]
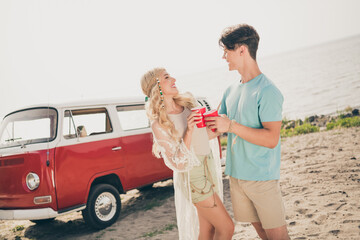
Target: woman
[{"x": 186, "y": 150}]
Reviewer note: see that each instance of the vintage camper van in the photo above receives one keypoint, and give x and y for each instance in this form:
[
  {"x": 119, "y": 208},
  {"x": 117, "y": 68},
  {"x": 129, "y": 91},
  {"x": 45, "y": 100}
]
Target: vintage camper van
[{"x": 57, "y": 159}]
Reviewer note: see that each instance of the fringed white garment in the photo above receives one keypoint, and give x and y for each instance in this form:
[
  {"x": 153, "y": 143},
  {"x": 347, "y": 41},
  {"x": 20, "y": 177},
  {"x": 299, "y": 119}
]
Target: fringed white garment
[{"x": 181, "y": 160}]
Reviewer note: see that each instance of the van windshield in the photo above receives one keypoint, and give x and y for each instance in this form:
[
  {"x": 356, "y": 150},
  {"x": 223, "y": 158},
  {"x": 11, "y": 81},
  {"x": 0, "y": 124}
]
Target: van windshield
[{"x": 28, "y": 126}]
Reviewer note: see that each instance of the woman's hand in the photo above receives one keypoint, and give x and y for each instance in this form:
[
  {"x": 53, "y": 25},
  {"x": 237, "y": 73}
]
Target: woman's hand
[{"x": 192, "y": 119}]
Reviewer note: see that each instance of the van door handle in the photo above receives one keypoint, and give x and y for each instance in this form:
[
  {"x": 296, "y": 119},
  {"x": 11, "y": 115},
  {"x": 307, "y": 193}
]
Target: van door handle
[{"x": 116, "y": 148}]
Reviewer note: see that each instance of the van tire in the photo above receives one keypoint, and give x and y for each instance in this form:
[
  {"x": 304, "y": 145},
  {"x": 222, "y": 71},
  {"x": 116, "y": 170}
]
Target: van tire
[{"x": 103, "y": 206}]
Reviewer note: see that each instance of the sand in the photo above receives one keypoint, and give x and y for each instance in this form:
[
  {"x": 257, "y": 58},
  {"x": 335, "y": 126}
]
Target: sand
[{"x": 320, "y": 181}]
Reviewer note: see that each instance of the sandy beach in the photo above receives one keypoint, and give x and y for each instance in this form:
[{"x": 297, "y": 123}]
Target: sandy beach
[{"x": 320, "y": 181}]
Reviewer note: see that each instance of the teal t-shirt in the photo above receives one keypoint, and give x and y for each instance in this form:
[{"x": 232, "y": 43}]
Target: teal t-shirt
[{"x": 250, "y": 104}]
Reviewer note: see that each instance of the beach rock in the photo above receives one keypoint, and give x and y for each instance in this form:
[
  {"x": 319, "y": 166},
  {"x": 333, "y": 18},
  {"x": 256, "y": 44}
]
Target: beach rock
[
  {"x": 312, "y": 118},
  {"x": 290, "y": 124},
  {"x": 323, "y": 123},
  {"x": 299, "y": 122},
  {"x": 355, "y": 112},
  {"x": 335, "y": 232},
  {"x": 332, "y": 119}
]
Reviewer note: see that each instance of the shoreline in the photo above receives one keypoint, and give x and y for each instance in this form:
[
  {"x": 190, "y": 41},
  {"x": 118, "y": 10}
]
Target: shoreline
[{"x": 322, "y": 119}]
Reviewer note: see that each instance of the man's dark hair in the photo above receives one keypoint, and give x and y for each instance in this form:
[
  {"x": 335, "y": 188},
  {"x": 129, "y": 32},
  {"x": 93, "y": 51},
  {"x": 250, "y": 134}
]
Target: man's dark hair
[{"x": 241, "y": 34}]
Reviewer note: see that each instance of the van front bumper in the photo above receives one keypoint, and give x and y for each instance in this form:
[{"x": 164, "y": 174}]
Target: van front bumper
[
  {"x": 27, "y": 214},
  {"x": 33, "y": 214}
]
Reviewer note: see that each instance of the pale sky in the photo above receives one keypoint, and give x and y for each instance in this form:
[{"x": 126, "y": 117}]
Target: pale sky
[{"x": 56, "y": 51}]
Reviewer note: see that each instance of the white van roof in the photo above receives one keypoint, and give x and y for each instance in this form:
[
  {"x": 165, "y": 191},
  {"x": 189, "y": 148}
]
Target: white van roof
[
  {"x": 92, "y": 102},
  {"x": 85, "y": 103}
]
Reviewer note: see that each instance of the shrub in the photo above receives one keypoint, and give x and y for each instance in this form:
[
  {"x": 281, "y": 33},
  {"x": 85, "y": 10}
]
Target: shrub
[
  {"x": 344, "y": 122},
  {"x": 223, "y": 141},
  {"x": 302, "y": 129},
  {"x": 18, "y": 228},
  {"x": 305, "y": 128},
  {"x": 342, "y": 116},
  {"x": 287, "y": 132}
]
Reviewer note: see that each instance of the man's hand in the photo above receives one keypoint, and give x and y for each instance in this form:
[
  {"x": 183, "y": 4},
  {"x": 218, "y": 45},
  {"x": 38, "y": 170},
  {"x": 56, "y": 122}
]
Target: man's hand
[
  {"x": 220, "y": 123},
  {"x": 267, "y": 136}
]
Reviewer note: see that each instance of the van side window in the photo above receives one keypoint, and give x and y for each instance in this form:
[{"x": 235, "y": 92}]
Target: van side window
[
  {"x": 132, "y": 117},
  {"x": 86, "y": 122},
  {"x": 69, "y": 126}
]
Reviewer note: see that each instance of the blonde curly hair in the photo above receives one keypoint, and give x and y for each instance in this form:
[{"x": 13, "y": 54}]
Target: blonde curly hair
[{"x": 154, "y": 107}]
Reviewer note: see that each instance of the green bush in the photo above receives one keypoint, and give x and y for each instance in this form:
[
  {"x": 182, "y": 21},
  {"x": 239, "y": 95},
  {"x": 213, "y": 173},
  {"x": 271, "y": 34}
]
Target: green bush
[
  {"x": 342, "y": 116},
  {"x": 344, "y": 122},
  {"x": 287, "y": 132},
  {"x": 302, "y": 129},
  {"x": 223, "y": 141},
  {"x": 305, "y": 128},
  {"x": 18, "y": 228}
]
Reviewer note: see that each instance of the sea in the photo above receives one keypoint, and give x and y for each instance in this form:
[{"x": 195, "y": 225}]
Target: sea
[{"x": 322, "y": 79}]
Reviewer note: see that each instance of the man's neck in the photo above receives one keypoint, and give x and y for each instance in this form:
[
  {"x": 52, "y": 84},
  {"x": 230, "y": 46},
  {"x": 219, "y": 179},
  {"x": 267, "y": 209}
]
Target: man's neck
[{"x": 250, "y": 71}]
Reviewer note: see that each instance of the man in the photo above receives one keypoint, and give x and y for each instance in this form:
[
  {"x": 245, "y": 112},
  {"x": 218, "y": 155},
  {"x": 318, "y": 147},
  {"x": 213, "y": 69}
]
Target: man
[{"x": 252, "y": 117}]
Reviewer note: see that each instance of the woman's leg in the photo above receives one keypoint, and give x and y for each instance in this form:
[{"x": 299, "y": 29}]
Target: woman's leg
[
  {"x": 207, "y": 230},
  {"x": 217, "y": 216}
]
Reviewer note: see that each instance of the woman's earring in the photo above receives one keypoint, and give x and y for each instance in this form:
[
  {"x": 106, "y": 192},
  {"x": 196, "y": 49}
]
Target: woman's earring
[{"x": 161, "y": 94}]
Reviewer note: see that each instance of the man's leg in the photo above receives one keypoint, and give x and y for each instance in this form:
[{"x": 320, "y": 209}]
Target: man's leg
[
  {"x": 260, "y": 231},
  {"x": 267, "y": 199},
  {"x": 243, "y": 207},
  {"x": 280, "y": 233}
]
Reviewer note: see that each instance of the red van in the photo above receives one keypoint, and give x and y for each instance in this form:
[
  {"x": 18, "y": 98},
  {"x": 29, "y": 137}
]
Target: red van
[{"x": 58, "y": 159}]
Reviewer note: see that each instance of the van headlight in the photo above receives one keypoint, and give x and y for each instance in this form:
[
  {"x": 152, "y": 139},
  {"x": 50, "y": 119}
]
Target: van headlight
[{"x": 32, "y": 181}]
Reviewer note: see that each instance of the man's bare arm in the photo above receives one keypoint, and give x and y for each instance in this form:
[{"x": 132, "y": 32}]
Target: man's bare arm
[{"x": 268, "y": 136}]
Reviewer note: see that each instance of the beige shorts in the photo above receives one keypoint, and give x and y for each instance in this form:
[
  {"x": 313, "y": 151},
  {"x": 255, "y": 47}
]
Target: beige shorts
[
  {"x": 203, "y": 180},
  {"x": 258, "y": 201}
]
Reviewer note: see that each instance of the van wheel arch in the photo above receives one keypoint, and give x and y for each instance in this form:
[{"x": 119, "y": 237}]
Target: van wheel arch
[{"x": 111, "y": 179}]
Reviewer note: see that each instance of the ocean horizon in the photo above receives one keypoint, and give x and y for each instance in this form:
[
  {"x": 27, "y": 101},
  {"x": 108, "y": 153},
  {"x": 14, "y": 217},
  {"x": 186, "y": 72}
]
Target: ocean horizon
[
  {"x": 316, "y": 80},
  {"x": 320, "y": 79}
]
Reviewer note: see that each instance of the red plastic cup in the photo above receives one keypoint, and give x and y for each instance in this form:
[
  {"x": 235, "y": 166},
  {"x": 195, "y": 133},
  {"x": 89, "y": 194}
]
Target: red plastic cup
[
  {"x": 211, "y": 113},
  {"x": 200, "y": 110}
]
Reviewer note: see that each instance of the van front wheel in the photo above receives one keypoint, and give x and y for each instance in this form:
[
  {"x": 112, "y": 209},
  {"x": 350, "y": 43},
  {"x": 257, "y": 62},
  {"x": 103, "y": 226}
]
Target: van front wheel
[{"x": 103, "y": 206}]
